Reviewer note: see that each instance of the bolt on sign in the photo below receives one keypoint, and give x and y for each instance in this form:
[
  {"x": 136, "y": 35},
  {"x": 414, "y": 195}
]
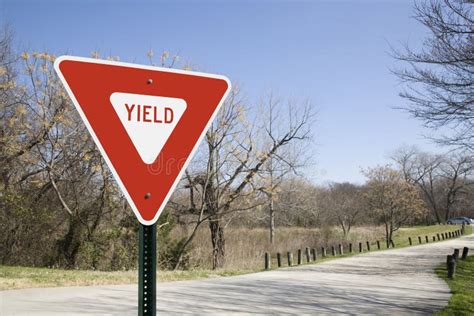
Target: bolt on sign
[{"x": 146, "y": 121}]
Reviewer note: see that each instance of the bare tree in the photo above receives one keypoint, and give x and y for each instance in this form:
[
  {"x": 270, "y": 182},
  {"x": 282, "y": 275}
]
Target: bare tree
[
  {"x": 344, "y": 203},
  {"x": 422, "y": 169},
  {"x": 298, "y": 203},
  {"x": 456, "y": 178},
  {"x": 285, "y": 161},
  {"x": 440, "y": 77},
  {"x": 233, "y": 156},
  {"x": 443, "y": 179}
]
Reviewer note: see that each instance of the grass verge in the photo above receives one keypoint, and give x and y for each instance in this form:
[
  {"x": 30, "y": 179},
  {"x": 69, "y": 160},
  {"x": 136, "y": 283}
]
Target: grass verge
[
  {"x": 24, "y": 277},
  {"x": 462, "y": 288},
  {"x": 401, "y": 236}
]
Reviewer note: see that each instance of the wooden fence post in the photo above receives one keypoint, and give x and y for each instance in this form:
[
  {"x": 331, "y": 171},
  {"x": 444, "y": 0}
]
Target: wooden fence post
[
  {"x": 456, "y": 254},
  {"x": 438, "y": 237},
  {"x": 267, "y": 261},
  {"x": 341, "y": 249},
  {"x": 323, "y": 251},
  {"x": 279, "y": 259},
  {"x": 427, "y": 241},
  {"x": 314, "y": 254},
  {"x": 378, "y": 245},
  {"x": 419, "y": 239},
  {"x": 409, "y": 240},
  {"x": 308, "y": 257},
  {"x": 333, "y": 251},
  {"x": 350, "y": 247},
  {"x": 300, "y": 257},
  {"x": 290, "y": 258},
  {"x": 434, "y": 238},
  {"x": 465, "y": 251},
  {"x": 368, "y": 245},
  {"x": 451, "y": 263},
  {"x": 360, "y": 247}
]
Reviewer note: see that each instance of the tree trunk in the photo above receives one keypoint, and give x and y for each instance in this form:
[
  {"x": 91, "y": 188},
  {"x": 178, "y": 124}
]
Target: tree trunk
[
  {"x": 69, "y": 245},
  {"x": 218, "y": 242},
  {"x": 388, "y": 233},
  {"x": 438, "y": 219},
  {"x": 389, "y": 240},
  {"x": 447, "y": 213},
  {"x": 344, "y": 230},
  {"x": 272, "y": 204},
  {"x": 391, "y": 229},
  {"x": 436, "y": 212},
  {"x": 272, "y": 220}
]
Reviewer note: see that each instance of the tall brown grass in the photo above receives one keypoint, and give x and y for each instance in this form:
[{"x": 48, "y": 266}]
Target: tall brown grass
[{"x": 245, "y": 247}]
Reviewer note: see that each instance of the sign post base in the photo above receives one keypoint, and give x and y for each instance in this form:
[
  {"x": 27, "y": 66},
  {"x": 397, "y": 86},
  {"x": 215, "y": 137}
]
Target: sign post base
[{"x": 147, "y": 270}]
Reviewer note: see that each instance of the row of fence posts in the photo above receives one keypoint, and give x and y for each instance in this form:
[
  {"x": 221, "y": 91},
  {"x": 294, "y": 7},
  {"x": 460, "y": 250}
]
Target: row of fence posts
[
  {"x": 439, "y": 236},
  {"x": 311, "y": 254},
  {"x": 452, "y": 260}
]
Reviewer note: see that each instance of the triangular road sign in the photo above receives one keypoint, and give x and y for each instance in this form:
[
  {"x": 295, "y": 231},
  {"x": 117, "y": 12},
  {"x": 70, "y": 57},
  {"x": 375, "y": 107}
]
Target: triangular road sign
[{"x": 146, "y": 121}]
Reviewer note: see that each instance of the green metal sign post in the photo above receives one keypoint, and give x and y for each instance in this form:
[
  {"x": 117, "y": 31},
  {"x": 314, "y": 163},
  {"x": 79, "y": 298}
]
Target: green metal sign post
[{"x": 147, "y": 270}]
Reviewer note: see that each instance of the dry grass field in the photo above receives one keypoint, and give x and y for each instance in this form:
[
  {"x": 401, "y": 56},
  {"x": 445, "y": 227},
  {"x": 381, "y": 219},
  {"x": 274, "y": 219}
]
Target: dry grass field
[{"x": 245, "y": 247}]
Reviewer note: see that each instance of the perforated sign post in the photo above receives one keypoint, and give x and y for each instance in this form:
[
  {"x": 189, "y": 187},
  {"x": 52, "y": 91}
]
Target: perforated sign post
[{"x": 147, "y": 123}]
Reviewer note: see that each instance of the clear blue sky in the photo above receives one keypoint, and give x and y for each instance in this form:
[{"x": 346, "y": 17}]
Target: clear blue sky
[{"x": 332, "y": 52}]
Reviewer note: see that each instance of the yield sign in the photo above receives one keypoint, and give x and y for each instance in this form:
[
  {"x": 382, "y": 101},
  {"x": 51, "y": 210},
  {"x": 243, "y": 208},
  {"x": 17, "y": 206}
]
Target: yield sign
[{"x": 146, "y": 121}]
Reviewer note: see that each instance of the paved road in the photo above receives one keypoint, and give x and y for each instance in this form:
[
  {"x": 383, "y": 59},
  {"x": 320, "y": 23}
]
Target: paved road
[{"x": 393, "y": 282}]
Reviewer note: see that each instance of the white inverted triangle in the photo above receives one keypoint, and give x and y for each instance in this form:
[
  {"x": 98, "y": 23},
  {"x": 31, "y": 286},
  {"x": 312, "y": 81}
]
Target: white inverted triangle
[{"x": 149, "y": 120}]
